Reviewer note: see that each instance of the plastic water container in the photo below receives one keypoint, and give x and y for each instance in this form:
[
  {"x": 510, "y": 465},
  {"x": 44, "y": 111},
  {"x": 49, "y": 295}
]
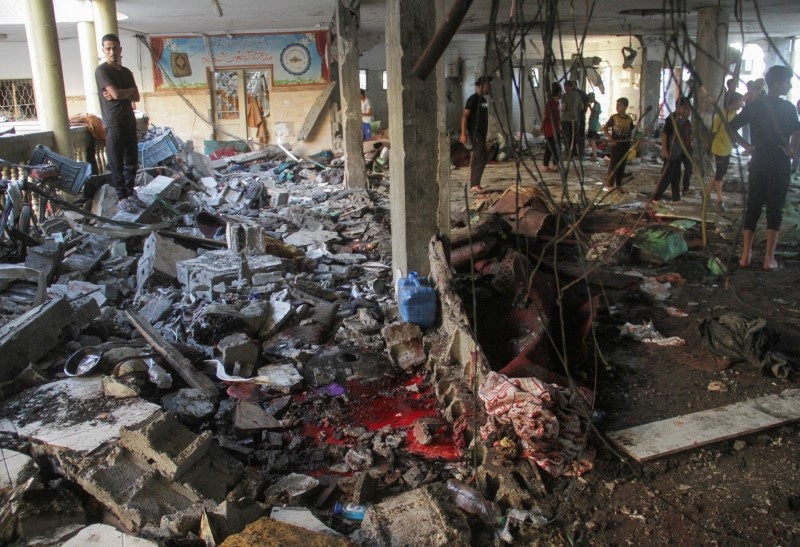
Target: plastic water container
[{"x": 417, "y": 301}]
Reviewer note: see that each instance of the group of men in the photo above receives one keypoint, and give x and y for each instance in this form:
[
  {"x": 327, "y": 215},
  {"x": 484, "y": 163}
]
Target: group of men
[{"x": 773, "y": 138}]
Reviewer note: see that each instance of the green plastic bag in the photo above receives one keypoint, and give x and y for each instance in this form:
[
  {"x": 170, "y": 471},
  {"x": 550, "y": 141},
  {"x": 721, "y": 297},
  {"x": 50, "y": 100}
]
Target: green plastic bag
[{"x": 660, "y": 246}]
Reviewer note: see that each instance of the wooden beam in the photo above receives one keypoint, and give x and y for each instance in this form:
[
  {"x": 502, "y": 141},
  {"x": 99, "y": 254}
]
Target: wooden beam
[
  {"x": 653, "y": 440},
  {"x": 316, "y": 110},
  {"x": 181, "y": 364}
]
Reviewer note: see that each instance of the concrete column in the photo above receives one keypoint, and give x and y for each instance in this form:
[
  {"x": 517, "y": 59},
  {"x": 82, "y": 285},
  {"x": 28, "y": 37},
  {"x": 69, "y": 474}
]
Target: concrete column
[
  {"x": 780, "y": 54},
  {"x": 711, "y": 66},
  {"x": 89, "y": 57},
  {"x": 355, "y": 174},
  {"x": 414, "y": 133},
  {"x": 48, "y": 78},
  {"x": 443, "y": 216},
  {"x": 652, "y": 62},
  {"x": 105, "y": 19}
]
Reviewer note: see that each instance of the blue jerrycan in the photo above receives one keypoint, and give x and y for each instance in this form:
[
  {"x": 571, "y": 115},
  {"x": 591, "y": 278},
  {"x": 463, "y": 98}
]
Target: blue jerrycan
[{"x": 417, "y": 301}]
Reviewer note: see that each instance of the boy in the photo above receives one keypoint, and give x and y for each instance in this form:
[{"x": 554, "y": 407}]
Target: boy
[
  {"x": 618, "y": 130},
  {"x": 366, "y": 116},
  {"x": 475, "y": 125},
  {"x": 775, "y": 132},
  {"x": 721, "y": 145},
  {"x": 676, "y": 149}
]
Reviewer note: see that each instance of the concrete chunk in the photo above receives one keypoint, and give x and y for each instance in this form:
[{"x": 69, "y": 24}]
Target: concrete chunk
[
  {"x": 404, "y": 345},
  {"x": 222, "y": 266},
  {"x": 32, "y": 335},
  {"x": 162, "y": 187},
  {"x": 190, "y": 403},
  {"x": 104, "y": 535},
  {"x": 425, "y": 516},
  {"x": 251, "y": 418},
  {"x": 159, "y": 257},
  {"x": 169, "y": 445},
  {"x": 283, "y": 378},
  {"x": 105, "y": 202},
  {"x": 237, "y": 347}
]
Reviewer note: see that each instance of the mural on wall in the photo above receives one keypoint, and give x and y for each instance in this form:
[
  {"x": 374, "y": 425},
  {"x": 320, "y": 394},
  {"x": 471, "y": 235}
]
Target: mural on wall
[{"x": 299, "y": 58}]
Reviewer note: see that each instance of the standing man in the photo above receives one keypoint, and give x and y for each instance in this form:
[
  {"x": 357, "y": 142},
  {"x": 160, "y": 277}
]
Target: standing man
[
  {"x": 475, "y": 125},
  {"x": 117, "y": 90},
  {"x": 366, "y": 116},
  {"x": 775, "y": 133},
  {"x": 571, "y": 111},
  {"x": 676, "y": 149}
]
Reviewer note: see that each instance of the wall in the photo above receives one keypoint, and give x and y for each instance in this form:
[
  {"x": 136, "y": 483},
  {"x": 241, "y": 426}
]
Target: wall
[{"x": 166, "y": 107}]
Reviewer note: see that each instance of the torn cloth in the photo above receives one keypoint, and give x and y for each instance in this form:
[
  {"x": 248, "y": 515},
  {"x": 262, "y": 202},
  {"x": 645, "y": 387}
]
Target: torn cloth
[
  {"x": 550, "y": 421},
  {"x": 738, "y": 337}
]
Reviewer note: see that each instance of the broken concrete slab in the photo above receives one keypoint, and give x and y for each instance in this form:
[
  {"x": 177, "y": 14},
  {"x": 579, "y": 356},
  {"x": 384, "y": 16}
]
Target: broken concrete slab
[
  {"x": 135, "y": 492},
  {"x": 237, "y": 347},
  {"x": 214, "y": 475},
  {"x": 292, "y": 487},
  {"x": 158, "y": 306},
  {"x": 45, "y": 258},
  {"x": 104, "y": 535},
  {"x": 159, "y": 257},
  {"x": 425, "y": 516},
  {"x": 169, "y": 445},
  {"x": 304, "y": 238},
  {"x": 247, "y": 239},
  {"x": 404, "y": 345},
  {"x": 190, "y": 403},
  {"x": 71, "y": 414},
  {"x": 283, "y": 378},
  {"x": 232, "y": 516},
  {"x": 105, "y": 203},
  {"x": 15, "y": 468},
  {"x": 221, "y": 266},
  {"x": 342, "y": 363},
  {"x": 251, "y": 418},
  {"x": 30, "y": 336},
  {"x": 166, "y": 188}
]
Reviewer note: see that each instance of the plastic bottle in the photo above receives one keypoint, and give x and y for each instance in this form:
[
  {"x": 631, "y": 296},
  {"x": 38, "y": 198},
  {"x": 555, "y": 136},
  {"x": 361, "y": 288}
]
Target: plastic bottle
[
  {"x": 350, "y": 511},
  {"x": 472, "y": 501},
  {"x": 417, "y": 302}
]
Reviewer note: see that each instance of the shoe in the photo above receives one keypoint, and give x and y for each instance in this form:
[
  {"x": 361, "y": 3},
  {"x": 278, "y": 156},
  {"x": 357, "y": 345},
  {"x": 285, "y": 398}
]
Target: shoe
[
  {"x": 779, "y": 266},
  {"x": 477, "y": 189}
]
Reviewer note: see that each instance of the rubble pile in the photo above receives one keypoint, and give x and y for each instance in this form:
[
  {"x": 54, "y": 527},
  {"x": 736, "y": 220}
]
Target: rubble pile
[{"x": 225, "y": 360}]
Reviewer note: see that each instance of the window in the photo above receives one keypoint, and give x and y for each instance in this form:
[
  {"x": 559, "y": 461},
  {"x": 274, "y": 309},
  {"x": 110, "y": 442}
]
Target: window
[
  {"x": 362, "y": 79},
  {"x": 385, "y": 80},
  {"x": 535, "y": 77},
  {"x": 16, "y": 99}
]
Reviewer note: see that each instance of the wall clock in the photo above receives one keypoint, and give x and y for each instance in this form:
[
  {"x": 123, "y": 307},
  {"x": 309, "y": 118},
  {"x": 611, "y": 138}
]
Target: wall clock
[{"x": 295, "y": 59}]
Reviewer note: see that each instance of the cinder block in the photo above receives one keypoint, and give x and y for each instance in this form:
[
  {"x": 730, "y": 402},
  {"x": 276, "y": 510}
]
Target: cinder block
[{"x": 162, "y": 440}]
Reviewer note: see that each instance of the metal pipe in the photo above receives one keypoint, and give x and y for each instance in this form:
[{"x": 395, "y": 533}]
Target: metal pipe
[{"x": 427, "y": 61}]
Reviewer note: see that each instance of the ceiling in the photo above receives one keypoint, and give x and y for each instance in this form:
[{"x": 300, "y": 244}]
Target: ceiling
[{"x": 780, "y": 17}]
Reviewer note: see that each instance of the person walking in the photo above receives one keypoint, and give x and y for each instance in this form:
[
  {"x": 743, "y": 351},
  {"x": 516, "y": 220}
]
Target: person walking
[
  {"x": 117, "y": 90},
  {"x": 474, "y": 126},
  {"x": 676, "y": 149},
  {"x": 775, "y": 132},
  {"x": 619, "y": 131},
  {"x": 551, "y": 127},
  {"x": 721, "y": 145},
  {"x": 571, "y": 111}
]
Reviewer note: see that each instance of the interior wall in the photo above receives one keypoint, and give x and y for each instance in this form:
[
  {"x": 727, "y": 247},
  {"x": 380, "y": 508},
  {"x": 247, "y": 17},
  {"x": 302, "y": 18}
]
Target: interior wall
[
  {"x": 374, "y": 62},
  {"x": 166, "y": 108}
]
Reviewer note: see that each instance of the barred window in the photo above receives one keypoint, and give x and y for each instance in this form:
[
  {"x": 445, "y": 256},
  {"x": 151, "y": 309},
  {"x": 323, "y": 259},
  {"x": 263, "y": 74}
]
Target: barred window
[{"x": 16, "y": 99}]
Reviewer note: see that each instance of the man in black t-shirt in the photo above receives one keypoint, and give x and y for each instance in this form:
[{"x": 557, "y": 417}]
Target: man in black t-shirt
[
  {"x": 117, "y": 90},
  {"x": 774, "y": 136},
  {"x": 474, "y": 126}
]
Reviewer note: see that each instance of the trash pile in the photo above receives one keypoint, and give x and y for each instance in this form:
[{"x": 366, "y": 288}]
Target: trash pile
[{"x": 226, "y": 359}]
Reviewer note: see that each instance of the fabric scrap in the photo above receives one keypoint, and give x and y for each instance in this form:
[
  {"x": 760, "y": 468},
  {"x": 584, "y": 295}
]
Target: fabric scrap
[{"x": 550, "y": 421}]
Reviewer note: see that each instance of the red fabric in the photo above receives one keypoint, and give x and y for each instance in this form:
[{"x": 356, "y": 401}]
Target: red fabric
[
  {"x": 552, "y": 118},
  {"x": 322, "y": 49},
  {"x": 156, "y": 50}
]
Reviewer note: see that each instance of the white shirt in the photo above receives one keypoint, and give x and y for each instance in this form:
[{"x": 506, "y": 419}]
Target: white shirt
[{"x": 366, "y": 106}]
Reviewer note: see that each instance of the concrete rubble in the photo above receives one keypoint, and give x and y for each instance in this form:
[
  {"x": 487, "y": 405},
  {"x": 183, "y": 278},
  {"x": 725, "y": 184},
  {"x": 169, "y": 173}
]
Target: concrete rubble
[{"x": 267, "y": 279}]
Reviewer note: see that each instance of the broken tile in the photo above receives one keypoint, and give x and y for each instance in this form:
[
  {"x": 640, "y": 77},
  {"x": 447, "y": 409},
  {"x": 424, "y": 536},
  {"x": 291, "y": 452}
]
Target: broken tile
[
  {"x": 104, "y": 535},
  {"x": 292, "y": 487},
  {"x": 189, "y": 403},
  {"x": 15, "y": 468},
  {"x": 251, "y": 418}
]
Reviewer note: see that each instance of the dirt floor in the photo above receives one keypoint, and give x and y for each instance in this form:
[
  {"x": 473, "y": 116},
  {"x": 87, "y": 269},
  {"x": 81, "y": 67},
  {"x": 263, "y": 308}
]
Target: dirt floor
[{"x": 739, "y": 491}]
